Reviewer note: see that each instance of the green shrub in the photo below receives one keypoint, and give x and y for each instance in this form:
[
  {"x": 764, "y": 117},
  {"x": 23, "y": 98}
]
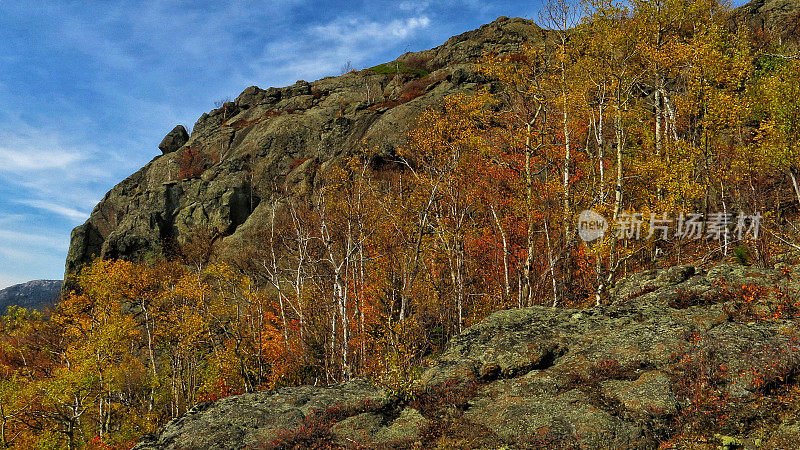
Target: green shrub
[
  {"x": 395, "y": 67},
  {"x": 742, "y": 255}
]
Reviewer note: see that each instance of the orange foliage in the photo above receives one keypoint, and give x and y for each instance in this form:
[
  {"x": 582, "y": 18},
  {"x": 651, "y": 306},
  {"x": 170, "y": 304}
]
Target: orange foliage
[{"x": 193, "y": 162}]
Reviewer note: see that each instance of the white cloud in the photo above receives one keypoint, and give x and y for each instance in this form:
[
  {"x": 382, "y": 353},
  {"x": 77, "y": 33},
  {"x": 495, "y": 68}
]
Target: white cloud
[
  {"x": 27, "y": 159},
  {"x": 64, "y": 211},
  {"x": 25, "y": 261},
  {"x": 38, "y": 241},
  {"x": 17, "y": 255},
  {"x": 321, "y": 50},
  {"x": 38, "y": 163},
  {"x": 12, "y": 219},
  {"x": 25, "y": 149},
  {"x": 353, "y": 30}
]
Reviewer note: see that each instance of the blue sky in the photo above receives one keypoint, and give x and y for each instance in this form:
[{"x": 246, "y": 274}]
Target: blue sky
[{"x": 88, "y": 89}]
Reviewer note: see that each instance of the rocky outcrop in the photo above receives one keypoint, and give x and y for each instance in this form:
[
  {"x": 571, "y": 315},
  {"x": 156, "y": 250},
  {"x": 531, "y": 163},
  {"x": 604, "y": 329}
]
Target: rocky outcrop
[
  {"x": 238, "y": 153},
  {"x": 174, "y": 140},
  {"x": 37, "y": 294},
  {"x": 673, "y": 345},
  {"x": 253, "y": 419},
  {"x": 776, "y": 22}
]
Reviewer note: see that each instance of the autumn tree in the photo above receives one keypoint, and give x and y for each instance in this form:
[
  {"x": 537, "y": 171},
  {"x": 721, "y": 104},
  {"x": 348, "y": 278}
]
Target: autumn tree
[{"x": 776, "y": 103}]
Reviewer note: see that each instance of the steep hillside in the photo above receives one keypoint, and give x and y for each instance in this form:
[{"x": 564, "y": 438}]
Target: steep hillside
[
  {"x": 277, "y": 138},
  {"x": 682, "y": 355},
  {"x": 38, "y": 294}
]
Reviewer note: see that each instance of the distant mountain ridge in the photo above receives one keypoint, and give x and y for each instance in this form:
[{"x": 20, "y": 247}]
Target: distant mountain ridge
[{"x": 37, "y": 294}]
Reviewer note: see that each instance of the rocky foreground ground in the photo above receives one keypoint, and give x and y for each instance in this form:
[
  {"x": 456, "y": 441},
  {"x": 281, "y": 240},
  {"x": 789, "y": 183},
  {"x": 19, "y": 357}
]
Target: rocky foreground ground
[{"x": 684, "y": 356}]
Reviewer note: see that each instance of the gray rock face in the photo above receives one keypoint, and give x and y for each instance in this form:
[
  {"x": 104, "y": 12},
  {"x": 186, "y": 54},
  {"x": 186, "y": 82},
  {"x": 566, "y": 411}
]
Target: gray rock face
[
  {"x": 276, "y": 137},
  {"x": 261, "y": 419},
  {"x": 615, "y": 376},
  {"x": 174, "y": 140},
  {"x": 774, "y": 21},
  {"x": 38, "y": 295}
]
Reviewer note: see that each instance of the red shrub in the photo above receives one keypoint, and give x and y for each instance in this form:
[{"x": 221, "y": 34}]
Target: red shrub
[{"x": 193, "y": 163}]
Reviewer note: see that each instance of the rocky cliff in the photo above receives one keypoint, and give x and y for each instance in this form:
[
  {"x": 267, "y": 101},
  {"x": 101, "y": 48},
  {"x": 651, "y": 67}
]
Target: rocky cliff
[
  {"x": 280, "y": 137},
  {"x": 680, "y": 352},
  {"x": 776, "y": 21}
]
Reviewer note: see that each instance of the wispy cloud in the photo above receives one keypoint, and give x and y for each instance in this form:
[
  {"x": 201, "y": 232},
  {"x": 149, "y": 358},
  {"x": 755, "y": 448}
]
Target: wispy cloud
[
  {"x": 61, "y": 210},
  {"x": 10, "y": 280},
  {"x": 354, "y": 30},
  {"x": 21, "y": 150},
  {"x": 321, "y": 50},
  {"x": 42, "y": 241},
  {"x": 27, "y": 256},
  {"x": 23, "y": 160},
  {"x": 54, "y": 174}
]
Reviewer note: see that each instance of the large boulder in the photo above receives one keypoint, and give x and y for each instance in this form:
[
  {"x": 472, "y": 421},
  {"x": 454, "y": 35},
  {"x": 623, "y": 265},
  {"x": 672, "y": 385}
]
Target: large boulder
[{"x": 174, "y": 140}]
